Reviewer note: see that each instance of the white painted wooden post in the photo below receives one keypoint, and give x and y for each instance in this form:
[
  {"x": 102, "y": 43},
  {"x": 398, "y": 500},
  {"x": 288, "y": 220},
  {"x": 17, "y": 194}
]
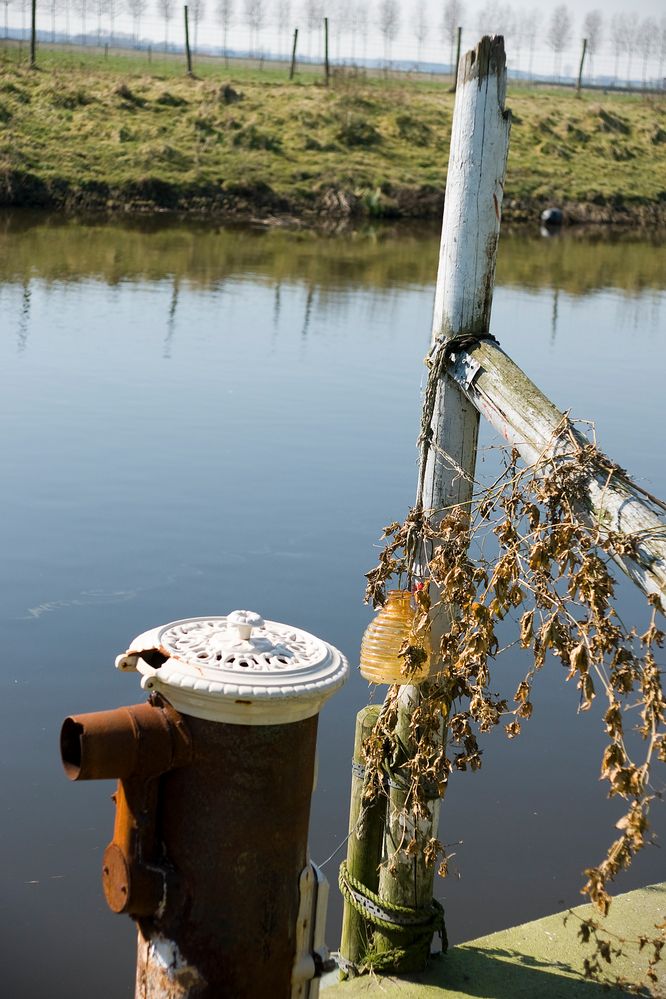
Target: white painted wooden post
[
  {"x": 466, "y": 275},
  {"x": 463, "y": 300}
]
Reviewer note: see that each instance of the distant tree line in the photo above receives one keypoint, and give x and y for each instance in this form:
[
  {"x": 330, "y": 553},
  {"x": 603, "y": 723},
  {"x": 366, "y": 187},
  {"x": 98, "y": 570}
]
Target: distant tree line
[{"x": 632, "y": 43}]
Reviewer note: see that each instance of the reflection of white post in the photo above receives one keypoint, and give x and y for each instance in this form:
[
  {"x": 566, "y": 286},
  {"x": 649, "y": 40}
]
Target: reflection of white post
[{"x": 463, "y": 300}]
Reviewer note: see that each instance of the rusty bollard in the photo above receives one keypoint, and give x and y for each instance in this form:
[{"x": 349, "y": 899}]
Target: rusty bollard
[{"x": 215, "y": 775}]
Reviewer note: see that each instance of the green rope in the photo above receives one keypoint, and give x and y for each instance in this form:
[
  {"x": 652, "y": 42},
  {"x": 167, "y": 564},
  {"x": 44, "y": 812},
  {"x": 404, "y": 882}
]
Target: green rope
[{"x": 416, "y": 926}]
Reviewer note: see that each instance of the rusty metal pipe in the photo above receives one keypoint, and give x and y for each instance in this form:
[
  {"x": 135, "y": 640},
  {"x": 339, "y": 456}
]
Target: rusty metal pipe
[
  {"x": 235, "y": 827},
  {"x": 135, "y": 744},
  {"x": 138, "y": 741}
]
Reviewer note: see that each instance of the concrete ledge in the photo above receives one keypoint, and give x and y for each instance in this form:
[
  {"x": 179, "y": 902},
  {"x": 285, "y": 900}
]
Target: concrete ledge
[{"x": 539, "y": 960}]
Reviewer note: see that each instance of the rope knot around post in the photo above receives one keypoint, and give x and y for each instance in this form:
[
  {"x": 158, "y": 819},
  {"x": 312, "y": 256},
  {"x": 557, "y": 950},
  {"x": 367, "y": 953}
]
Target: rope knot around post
[{"x": 417, "y": 926}]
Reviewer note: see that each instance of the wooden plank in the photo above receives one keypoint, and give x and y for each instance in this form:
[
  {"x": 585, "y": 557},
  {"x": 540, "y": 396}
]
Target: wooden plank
[{"x": 527, "y": 419}]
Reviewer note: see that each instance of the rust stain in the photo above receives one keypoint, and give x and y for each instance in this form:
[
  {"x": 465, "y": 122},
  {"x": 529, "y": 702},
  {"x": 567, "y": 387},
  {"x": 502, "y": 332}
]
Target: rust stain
[
  {"x": 496, "y": 203},
  {"x": 135, "y": 744},
  {"x": 142, "y": 740}
]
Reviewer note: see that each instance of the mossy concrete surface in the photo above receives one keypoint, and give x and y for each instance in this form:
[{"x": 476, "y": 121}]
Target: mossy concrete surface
[{"x": 541, "y": 959}]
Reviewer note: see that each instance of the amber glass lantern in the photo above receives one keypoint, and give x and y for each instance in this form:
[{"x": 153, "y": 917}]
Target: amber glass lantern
[{"x": 385, "y": 636}]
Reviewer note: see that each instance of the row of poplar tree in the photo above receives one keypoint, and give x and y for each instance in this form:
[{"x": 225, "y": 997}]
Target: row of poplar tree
[{"x": 628, "y": 39}]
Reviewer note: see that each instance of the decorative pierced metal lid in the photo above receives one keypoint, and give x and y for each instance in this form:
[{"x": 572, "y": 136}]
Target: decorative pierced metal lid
[{"x": 238, "y": 669}]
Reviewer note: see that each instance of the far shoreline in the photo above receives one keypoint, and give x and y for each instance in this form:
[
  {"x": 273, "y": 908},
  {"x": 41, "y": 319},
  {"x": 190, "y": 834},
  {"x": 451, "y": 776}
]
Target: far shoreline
[{"x": 260, "y": 205}]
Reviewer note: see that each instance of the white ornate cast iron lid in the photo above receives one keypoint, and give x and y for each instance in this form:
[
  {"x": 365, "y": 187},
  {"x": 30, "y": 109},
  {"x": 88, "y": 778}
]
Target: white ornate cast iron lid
[{"x": 237, "y": 669}]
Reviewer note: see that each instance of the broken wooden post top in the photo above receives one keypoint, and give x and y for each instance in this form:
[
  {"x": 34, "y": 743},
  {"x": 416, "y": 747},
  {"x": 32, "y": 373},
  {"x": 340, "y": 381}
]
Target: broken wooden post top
[
  {"x": 474, "y": 192},
  {"x": 487, "y": 59}
]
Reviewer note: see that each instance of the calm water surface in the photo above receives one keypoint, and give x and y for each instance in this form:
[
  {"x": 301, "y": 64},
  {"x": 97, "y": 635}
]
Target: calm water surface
[{"x": 198, "y": 419}]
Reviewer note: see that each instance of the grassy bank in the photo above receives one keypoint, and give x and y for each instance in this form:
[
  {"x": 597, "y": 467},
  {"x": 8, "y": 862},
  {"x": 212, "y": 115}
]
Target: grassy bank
[{"x": 111, "y": 136}]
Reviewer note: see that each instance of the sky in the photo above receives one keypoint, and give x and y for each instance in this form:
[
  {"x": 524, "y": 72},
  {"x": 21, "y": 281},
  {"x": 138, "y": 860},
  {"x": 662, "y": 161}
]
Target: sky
[{"x": 405, "y": 45}]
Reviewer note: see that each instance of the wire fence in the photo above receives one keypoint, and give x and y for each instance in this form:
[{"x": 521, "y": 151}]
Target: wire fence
[{"x": 358, "y": 37}]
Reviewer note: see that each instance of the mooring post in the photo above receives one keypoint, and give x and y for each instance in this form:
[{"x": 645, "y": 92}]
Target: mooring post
[
  {"x": 209, "y": 850},
  {"x": 463, "y": 300},
  {"x": 364, "y": 846}
]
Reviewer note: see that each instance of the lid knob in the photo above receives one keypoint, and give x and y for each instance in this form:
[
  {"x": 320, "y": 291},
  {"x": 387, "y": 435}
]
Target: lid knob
[
  {"x": 244, "y": 621},
  {"x": 238, "y": 669}
]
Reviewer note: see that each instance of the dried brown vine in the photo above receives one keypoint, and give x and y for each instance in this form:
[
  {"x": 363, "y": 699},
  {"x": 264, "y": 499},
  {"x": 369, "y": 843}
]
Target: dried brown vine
[{"x": 551, "y": 573}]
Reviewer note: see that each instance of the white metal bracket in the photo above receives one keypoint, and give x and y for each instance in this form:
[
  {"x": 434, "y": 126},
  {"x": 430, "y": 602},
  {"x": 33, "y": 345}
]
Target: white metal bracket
[
  {"x": 464, "y": 369},
  {"x": 311, "y": 951}
]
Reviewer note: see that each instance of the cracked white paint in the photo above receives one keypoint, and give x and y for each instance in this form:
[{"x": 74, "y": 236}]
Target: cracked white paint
[
  {"x": 167, "y": 956},
  {"x": 163, "y": 972}
]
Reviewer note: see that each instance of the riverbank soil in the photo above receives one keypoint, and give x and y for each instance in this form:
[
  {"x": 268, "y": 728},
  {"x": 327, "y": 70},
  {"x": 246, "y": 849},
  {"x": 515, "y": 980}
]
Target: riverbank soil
[{"x": 111, "y": 136}]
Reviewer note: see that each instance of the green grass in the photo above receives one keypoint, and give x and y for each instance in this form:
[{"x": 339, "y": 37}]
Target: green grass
[{"x": 121, "y": 132}]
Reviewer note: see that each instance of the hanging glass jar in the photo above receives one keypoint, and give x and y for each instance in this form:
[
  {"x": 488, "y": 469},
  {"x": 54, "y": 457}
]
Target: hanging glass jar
[{"x": 386, "y": 635}]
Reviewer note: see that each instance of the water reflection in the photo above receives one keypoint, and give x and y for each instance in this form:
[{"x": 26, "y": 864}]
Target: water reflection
[
  {"x": 276, "y": 305},
  {"x": 171, "y": 321},
  {"x": 24, "y": 319},
  {"x": 307, "y": 312},
  {"x": 553, "y": 322},
  {"x": 577, "y": 262},
  {"x": 179, "y": 442}
]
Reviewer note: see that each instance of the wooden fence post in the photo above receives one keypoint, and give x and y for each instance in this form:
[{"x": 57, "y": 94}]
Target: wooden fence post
[
  {"x": 455, "y": 72},
  {"x": 366, "y": 828},
  {"x": 33, "y": 35},
  {"x": 580, "y": 68},
  {"x": 292, "y": 68},
  {"x": 463, "y": 300},
  {"x": 327, "y": 68},
  {"x": 188, "y": 52}
]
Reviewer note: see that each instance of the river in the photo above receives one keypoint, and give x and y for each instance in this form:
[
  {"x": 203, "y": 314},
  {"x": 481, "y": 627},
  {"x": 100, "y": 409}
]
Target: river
[{"x": 198, "y": 419}]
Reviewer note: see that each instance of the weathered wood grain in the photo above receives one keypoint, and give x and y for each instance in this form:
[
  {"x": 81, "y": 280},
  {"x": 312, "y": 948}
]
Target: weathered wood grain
[{"x": 527, "y": 419}]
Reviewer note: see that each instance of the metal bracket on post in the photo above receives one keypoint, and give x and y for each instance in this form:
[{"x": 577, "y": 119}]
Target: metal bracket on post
[
  {"x": 312, "y": 958},
  {"x": 464, "y": 369}
]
